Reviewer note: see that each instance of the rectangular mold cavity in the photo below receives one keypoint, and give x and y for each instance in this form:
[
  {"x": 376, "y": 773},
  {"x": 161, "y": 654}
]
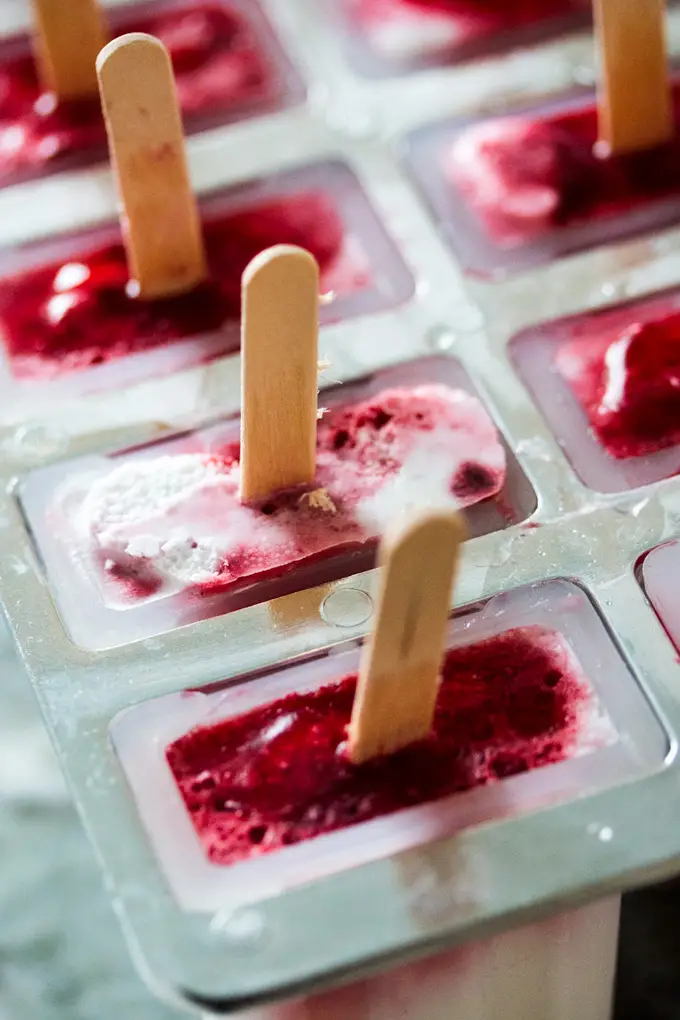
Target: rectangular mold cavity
[
  {"x": 395, "y": 36},
  {"x": 238, "y": 44},
  {"x": 533, "y": 353},
  {"x": 525, "y": 227},
  {"x": 90, "y": 603},
  {"x": 660, "y": 570},
  {"x": 321, "y": 207},
  {"x": 621, "y": 738}
]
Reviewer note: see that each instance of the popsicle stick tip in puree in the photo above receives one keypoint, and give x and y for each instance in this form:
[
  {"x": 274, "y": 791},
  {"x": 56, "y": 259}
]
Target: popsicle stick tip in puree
[
  {"x": 67, "y": 36},
  {"x": 279, "y": 352},
  {"x": 634, "y": 100},
  {"x": 399, "y": 674},
  {"x": 159, "y": 215}
]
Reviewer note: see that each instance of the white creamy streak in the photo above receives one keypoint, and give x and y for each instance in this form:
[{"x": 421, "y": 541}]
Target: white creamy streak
[
  {"x": 424, "y": 479},
  {"x": 179, "y": 518},
  {"x": 179, "y": 513}
]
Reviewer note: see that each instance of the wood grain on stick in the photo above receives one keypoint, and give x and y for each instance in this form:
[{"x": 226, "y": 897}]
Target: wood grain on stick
[
  {"x": 159, "y": 216},
  {"x": 399, "y": 675},
  {"x": 634, "y": 103},
  {"x": 67, "y": 36},
  {"x": 279, "y": 352}
]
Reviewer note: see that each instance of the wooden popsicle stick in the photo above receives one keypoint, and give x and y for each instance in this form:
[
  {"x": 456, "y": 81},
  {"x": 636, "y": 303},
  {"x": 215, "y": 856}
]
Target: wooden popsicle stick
[
  {"x": 159, "y": 216},
  {"x": 634, "y": 101},
  {"x": 279, "y": 352},
  {"x": 399, "y": 675},
  {"x": 68, "y": 35}
]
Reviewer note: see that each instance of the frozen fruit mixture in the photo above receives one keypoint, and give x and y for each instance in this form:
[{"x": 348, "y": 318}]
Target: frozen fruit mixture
[
  {"x": 75, "y": 314},
  {"x": 279, "y": 775},
  {"x": 410, "y": 28},
  {"x": 524, "y": 177},
  {"x": 175, "y": 522},
  {"x": 628, "y": 383},
  {"x": 219, "y": 66}
]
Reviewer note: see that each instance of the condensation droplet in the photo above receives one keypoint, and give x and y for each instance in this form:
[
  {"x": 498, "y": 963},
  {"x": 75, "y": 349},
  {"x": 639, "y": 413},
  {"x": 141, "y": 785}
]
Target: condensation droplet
[
  {"x": 612, "y": 290},
  {"x": 152, "y": 644},
  {"x": 242, "y": 927},
  {"x": 603, "y": 832},
  {"x": 359, "y": 126},
  {"x": 38, "y": 441},
  {"x": 537, "y": 448},
  {"x": 347, "y": 607},
  {"x": 582, "y": 74},
  {"x": 501, "y": 553},
  {"x": 441, "y": 338}
]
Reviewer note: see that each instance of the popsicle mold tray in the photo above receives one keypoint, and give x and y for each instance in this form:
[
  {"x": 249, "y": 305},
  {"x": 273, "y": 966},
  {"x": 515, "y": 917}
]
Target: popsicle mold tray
[{"x": 576, "y": 542}]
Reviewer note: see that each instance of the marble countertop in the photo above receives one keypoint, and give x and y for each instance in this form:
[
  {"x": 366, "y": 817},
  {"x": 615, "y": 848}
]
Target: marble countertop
[{"x": 62, "y": 955}]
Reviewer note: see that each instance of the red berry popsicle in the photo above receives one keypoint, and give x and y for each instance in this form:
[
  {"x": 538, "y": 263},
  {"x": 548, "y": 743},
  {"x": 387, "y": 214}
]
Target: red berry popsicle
[
  {"x": 191, "y": 527},
  {"x": 628, "y": 384},
  {"x": 549, "y": 180},
  {"x": 173, "y": 278},
  {"x": 509, "y": 12},
  {"x": 222, "y": 70},
  {"x": 279, "y": 775},
  {"x": 177, "y": 522},
  {"x": 73, "y": 314},
  {"x": 411, "y": 29},
  {"x": 415, "y": 726},
  {"x": 607, "y": 382},
  {"x": 525, "y": 178}
]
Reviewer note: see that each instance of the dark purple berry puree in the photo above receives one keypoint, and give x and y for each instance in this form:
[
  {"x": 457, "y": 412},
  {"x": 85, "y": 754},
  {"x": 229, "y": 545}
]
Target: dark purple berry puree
[
  {"x": 525, "y": 177},
  {"x": 75, "y": 314},
  {"x": 629, "y": 385},
  {"x": 279, "y": 775},
  {"x": 218, "y": 65},
  {"x": 176, "y": 521}
]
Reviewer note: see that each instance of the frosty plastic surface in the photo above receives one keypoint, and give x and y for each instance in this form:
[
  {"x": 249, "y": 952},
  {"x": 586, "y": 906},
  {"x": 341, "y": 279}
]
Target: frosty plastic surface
[
  {"x": 613, "y": 824},
  {"x": 607, "y": 731},
  {"x": 608, "y": 385},
  {"x": 227, "y": 62},
  {"x": 151, "y": 539}
]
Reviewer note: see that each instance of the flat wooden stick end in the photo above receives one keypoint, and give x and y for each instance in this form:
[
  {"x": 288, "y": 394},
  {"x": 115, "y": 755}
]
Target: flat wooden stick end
[{"x": 399, "y": 676}]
